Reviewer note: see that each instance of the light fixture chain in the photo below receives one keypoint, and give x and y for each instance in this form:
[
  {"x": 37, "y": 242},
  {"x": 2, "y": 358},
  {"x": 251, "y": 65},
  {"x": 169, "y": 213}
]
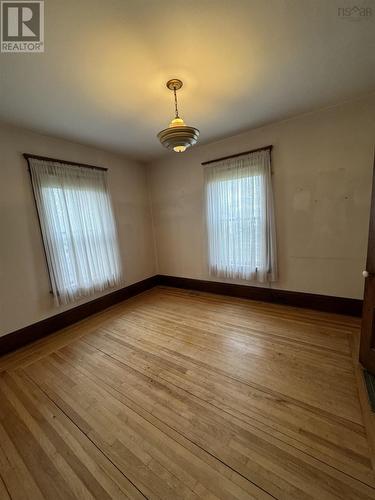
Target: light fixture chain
[{"x": 175, "y": 102}]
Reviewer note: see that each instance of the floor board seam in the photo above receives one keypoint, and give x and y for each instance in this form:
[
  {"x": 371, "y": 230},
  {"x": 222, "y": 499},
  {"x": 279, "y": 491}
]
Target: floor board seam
[
  {"x": 5, "y": 486},
  {"x": 234, "y": 416},
  {"x": 169, "y": 426},
  {"x": 330, "y": 416},
  {"x": 32, "y": 381}
]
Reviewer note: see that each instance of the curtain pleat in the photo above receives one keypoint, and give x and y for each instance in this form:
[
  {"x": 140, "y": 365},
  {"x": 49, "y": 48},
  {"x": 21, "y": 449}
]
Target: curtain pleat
[
  {"x": 78, "y": 228},
  {"x": 240, "y": 218}
]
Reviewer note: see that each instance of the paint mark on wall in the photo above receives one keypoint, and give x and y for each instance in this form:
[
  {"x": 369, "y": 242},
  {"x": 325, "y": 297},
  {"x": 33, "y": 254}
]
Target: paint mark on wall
[{"x": 302, "y": 200}]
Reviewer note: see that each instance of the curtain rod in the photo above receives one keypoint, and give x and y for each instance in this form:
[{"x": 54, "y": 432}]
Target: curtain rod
[
  {"x": 46, "y": 158},
  {"x": 265, "y": 148}
]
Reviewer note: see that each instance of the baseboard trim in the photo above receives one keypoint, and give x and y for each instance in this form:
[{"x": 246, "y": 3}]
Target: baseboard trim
[
  {"x": 327, "y": 303},
  {"x": 19, "y": 338}
]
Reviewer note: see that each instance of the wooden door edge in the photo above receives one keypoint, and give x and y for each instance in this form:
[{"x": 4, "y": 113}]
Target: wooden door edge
[{"x": 368, "y": 415}]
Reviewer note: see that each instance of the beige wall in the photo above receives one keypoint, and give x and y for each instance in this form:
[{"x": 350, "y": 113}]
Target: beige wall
[
  {"x": 322, "y": 165},
  {"x": 24, "y": 286},
  {"x": 322, "y": 174}
]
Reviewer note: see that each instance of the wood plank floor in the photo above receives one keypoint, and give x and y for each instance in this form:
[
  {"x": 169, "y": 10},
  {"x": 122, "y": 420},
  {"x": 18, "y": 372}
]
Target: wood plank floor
[{"x": 176, "y": 394}]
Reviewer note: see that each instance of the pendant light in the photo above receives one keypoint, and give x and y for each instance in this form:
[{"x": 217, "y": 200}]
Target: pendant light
[{"x": 178, "y": 136}]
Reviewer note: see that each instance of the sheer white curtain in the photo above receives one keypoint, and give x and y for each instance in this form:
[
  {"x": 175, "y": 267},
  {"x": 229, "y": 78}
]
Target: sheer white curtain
[
  {"x": 78, "y": 228},
  {"x": 240, "y": 218}
]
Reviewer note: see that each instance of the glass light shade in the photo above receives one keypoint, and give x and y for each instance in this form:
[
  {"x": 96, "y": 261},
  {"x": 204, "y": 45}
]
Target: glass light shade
[
  {"x": 177, "y": 122},
  {"x": 179, "y": 149}
]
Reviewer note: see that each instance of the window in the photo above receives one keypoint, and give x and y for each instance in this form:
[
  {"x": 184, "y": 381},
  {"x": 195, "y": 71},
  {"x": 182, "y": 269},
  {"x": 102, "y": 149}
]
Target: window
[
  {"x": 78, "y": 228},
  {"x": 240, "y": 219}
]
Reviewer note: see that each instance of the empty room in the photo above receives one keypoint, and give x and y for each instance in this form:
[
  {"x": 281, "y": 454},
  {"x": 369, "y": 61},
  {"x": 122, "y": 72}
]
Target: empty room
[{"x": 187, "y": 249}]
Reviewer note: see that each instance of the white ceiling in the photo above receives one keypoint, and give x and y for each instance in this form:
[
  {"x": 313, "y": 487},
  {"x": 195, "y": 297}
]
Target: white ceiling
[{"x": 244, "y": 63}]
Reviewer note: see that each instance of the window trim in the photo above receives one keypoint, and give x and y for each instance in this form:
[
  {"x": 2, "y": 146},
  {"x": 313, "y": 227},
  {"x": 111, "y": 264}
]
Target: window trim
[
  {"x": 27, "y": 157},
  {"x": 257, "y": 150}
]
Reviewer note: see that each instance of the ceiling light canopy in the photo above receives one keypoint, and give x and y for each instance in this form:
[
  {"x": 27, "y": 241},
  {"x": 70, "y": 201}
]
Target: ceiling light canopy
[{"x": 178, "y": 136}]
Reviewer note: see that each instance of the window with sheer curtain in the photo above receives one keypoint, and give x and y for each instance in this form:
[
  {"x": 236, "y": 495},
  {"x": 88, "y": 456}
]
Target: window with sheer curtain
[
  {"x": 78, "y": 228},
  {"x": 240, "y": 218}
]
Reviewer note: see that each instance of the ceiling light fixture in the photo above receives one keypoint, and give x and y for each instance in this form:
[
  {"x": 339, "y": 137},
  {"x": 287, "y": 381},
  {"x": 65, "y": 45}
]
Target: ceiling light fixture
[{"x": 178, "y": 136}]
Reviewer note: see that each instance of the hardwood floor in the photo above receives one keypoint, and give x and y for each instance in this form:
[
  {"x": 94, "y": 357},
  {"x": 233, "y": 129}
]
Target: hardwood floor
[{"x": 176, "y": 394}]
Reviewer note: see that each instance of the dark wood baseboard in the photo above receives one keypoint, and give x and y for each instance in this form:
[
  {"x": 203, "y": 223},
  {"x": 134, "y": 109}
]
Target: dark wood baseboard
[
  {"x": 20, "y": 338},
  {"x": 327, "y": 303}
]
